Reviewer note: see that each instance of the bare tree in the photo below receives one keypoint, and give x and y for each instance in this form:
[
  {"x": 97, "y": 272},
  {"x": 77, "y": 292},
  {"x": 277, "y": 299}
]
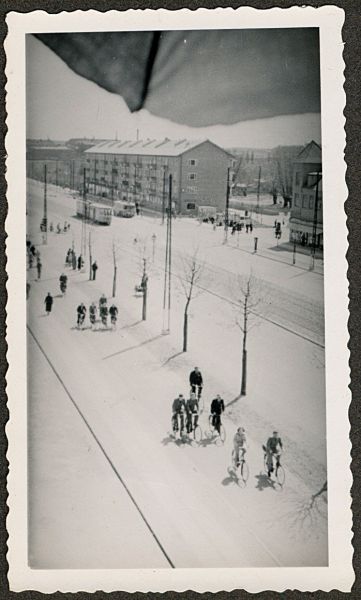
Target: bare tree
[
  {"x": 192, "y": 273},
  {"x": 248, "y": 300},
  {"x": 283, "y": 159}
]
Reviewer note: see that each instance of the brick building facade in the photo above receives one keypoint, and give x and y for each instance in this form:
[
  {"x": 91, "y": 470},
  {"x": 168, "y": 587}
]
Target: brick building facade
[{"x": 138, "y": 171}]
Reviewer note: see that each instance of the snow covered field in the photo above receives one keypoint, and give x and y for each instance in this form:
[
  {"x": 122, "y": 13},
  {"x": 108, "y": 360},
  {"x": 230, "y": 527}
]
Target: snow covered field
[{"x": 108, "y": 486}]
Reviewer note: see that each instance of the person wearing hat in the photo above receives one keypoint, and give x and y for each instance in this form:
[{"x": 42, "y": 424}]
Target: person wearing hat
[
  {"x": 178, "y": 409},
  {"x": 273, "y": 448}
]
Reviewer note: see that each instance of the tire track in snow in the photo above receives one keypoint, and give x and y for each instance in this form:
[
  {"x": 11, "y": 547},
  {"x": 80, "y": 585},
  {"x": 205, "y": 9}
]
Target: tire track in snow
[
  {"x": 231, "y": 302},
  {"x": 102, "y": 449}
]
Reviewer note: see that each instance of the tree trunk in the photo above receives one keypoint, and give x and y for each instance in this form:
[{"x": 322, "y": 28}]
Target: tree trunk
[
  {"x": 114, "y": 281},
  {"x": 185, "y": 331},
  {"x": 244, "y": 373},
  {"x": 144, "y": 309}
]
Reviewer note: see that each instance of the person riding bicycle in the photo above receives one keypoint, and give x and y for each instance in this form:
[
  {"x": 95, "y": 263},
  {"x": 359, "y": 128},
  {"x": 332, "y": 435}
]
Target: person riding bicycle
[
  {"x": 63, "y": 279},
  {"x": 113, "y": 311},
  {"x": 102, "y": 301},
  {"x": 81, "y": 310},
  {"x": 273, "y": 448},
  {"x": 196, "y": 380},
  {"x": 217, "y": 407},
  {"x": 178, "y": 409},
  {"x": 92, "y": 313},
  {"x": 192, "y": 408},
  {"x": 103, "y": 313},
  {"x": 239, "y": 445}
]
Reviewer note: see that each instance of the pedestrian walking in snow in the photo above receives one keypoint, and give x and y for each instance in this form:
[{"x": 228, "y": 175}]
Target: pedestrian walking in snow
[
  {"x": 80, "y": 262},
  {"x": 247, "y": 227},
  {"x": 94, "y": 270},
  {"x": 73, "y": 261},
  {"x": 38, "y": 267},
  {"x": 48, "y": 303},
  {"x": 251, "y": 227}
]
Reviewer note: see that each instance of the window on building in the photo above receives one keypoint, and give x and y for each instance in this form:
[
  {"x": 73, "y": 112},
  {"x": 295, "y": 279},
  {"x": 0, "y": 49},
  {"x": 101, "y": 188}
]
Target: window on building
[
  {"x": 297, "y": 200},
  {"x": 191, "y": 206},
  {"x": 310, "y": 202},
  {"x": 192, "y": 189},
  {"x": 304, "y": 201},
  {"x": 192, "y": 162},
  {"x": 297, "y": 178},
  {"x": 192, "y": 176}
]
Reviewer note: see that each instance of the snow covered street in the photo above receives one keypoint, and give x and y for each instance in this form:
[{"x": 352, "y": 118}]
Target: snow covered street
[{"x": 112, "y": 486}]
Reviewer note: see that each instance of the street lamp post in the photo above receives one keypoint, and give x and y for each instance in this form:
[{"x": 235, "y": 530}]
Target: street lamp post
[
  {"x": 154, "y": 237},
  {"x": 145, "y": 289}
]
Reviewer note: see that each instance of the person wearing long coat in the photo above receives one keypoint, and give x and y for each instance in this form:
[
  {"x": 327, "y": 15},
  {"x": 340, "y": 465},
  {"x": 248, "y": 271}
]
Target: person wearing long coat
[{"x": 48, "y": 303}]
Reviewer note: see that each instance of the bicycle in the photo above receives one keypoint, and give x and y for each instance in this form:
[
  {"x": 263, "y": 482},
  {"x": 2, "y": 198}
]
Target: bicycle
[
  {"x": 240, "y": 468},
  {"x": 178, "y": 424},
  {"x": 200, "y": 398},
  {"x": 278, "y": 469},
  {"x": 195, "y": 428},
  {"x": 216, "y": 427},
  {"x": 81, "y": 318}
]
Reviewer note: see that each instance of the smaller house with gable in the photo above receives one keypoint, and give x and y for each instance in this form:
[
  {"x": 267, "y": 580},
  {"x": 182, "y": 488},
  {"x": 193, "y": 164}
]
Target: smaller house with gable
[{"x": 306, "y": 220}]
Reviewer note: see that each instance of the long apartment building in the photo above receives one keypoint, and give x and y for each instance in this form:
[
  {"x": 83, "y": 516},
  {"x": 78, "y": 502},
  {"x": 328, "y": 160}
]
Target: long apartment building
[{"x": 138, "y": 171}]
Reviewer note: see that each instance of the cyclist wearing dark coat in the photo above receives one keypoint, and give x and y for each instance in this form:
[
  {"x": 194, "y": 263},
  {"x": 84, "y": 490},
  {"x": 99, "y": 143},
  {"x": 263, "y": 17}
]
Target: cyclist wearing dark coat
[
  {"x": 178, "y": 408},
  {"x": 217, "y": 407},
  {"x": 196, "y": 380},
  {"x": 192, "y": 408}
]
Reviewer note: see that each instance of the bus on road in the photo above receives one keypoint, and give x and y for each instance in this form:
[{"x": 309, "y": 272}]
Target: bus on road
[{"x": 122, "y": 208}]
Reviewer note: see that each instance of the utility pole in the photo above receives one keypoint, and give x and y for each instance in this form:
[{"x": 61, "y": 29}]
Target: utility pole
[
  {"x": 164, "y": 192},
  {"x": 168, "y": 264},
  {"x": 258, "y": 189},
  {"x": 294, "y": 253},
  {"x": 314, "y": 229},
  {"x": 45, "y": 217},
  {"x": 84, "y": 219},
  {"x": 227, "y": 210}
]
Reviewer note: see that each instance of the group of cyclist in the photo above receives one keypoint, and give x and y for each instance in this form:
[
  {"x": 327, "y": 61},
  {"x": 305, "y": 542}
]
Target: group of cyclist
[
  {"x": 185, "y": 416},
  {"x": 103, "y": 310}
]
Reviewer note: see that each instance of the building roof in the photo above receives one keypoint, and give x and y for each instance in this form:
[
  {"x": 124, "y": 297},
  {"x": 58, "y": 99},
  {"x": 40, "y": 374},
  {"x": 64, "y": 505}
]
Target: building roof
[
  {"x": 311, "y": 153},
  {"x": 149, "y": 147}
]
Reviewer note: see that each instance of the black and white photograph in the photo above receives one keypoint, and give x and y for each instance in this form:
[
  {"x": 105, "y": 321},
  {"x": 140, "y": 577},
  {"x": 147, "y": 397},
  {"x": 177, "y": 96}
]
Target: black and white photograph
[{"x": 180, "y": 240}]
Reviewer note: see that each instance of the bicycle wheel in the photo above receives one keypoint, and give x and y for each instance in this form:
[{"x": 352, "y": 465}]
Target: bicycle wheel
[
  {"x": 244, "y": 471},
  {"x": 280, "y": 475},
  {"x": 222, "y": 434},
  {"x": 197, "y": 434}
]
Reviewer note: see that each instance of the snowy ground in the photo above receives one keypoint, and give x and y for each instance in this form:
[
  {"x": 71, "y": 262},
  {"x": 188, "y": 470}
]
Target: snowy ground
[{"x": 108, "y": 485}]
